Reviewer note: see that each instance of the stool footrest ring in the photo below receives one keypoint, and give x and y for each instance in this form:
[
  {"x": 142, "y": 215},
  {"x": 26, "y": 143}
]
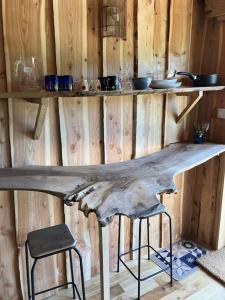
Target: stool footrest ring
[
  {"x": 149, "y": 276},
  {"x": 56, "y": 287}
]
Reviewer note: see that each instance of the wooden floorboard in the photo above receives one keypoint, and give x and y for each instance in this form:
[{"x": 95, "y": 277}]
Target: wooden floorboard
[{"x": 198, "y": 285}]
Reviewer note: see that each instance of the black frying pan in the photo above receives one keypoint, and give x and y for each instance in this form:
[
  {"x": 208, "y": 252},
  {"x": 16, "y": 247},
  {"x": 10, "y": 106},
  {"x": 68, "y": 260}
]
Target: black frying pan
[{"x": 202, "y": 80}]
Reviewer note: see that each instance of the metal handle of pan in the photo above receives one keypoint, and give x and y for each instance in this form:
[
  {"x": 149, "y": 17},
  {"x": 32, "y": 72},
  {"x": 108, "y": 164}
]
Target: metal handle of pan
[{"x": 190, "y": 75}]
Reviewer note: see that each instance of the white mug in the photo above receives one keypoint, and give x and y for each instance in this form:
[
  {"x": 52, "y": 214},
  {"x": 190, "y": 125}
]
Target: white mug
[
  {"x": 81, "y": 86},
  {"x": 94, "y": 85}
]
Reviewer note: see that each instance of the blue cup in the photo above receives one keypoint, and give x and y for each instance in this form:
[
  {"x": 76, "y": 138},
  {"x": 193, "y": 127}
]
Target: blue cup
[
  {"x": 199, "y": 137},
  {"x": 51, "y": 83},
  {"x": 65, "y": 83}
]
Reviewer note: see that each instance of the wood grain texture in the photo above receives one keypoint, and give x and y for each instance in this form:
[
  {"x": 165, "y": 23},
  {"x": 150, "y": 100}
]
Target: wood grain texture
[
  {"x": 118, "y": 117},
  {"x": 80, "y": 119},
  {"x": 10, "y": 285},
  {"x": 42, "y": 211},
  {"x": 42, "y": 110},
  {"x": 158, "y": 39},
  {"x": 198, "y": 35},
  {"x": 94, "y": 59},
  {"x": 70, "y": 19},
  {"x": 178, "y": 59},
  {"x": 152, "y": 26},
  {"x": 199, "y": 285},
  {"x": 210, "y": 205},
  {"x": 129, "y": 188},
  {"x": 9, "y": 278},
  {"x": 32, "y": 96}
]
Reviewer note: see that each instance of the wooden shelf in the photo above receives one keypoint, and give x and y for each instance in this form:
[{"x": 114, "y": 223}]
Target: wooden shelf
[
  {"x": 41, "y": 98},
  {"x": 44, "y": 94}
]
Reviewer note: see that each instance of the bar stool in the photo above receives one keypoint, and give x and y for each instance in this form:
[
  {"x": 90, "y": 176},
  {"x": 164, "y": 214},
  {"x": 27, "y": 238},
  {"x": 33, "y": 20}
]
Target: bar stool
[
  {"x": 46, "y": 242},
  {"x": 160, "y": 210}
]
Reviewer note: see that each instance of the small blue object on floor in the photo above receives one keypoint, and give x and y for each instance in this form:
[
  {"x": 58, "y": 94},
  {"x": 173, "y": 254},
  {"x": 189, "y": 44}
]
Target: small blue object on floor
[{"x": 185, "y": 254}]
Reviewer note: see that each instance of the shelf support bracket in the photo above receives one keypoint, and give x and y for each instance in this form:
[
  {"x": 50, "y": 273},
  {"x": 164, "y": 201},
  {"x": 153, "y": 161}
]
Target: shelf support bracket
[
  {"x": 190, "y": 106},
  {"x": 42, "y": 110}
]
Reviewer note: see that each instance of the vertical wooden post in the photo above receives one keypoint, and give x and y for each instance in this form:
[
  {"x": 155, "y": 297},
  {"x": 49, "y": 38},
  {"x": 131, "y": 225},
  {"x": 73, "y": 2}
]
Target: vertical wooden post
[
  {"x": 219, "y": 232},
  {"x": 104, "y": 262}
]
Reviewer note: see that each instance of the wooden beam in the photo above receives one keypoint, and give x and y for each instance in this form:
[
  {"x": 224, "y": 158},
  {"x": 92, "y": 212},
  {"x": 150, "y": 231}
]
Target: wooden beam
[
  {"x": 219, "y": 231},
  {"x": 42, "y": 110},
  {"x": 104, "y": 262},
  {"x": 216, "y": 12},
  {"x": 190, "y": 106}
]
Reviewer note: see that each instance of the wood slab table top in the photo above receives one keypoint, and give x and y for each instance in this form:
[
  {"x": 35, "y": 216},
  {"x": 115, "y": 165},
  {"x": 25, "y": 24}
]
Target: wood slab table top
[{"x": 130, "y": 188}]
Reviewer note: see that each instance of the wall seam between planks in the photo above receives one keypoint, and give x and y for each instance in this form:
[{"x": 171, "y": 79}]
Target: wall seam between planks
[{"x": 135, "y": 71}]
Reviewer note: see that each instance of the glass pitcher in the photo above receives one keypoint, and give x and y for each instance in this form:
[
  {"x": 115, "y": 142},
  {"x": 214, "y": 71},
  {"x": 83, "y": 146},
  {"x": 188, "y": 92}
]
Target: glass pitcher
[{"x": 27, "y": 74}]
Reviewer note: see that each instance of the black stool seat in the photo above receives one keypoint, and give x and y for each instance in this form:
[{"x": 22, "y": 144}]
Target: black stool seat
[{"x": 49, "y": 240}]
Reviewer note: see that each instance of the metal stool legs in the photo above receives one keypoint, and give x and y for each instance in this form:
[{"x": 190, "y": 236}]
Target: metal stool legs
[
  {"x": 31, "y": 292},
  {"x": 118, "y": 252},
  {"x": 139, "y": 260},
  {"x": 119, "y": 236},
  {"x": 138, "y": 277},
  {"x": 28, "y": 270},
  {"x": 30, "y": 282},
  {"x": 81, "y": 272},
  {"x": 72, "y": 276},
  {"x": 171, "y": 250},
  {"x": 32, "y": 279},
  {"x": 148, "y": 225}
]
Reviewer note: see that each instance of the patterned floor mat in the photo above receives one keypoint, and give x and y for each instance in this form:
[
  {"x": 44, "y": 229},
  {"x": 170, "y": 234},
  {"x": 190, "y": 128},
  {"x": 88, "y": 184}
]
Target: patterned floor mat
[{"x": 185, "y": 254}]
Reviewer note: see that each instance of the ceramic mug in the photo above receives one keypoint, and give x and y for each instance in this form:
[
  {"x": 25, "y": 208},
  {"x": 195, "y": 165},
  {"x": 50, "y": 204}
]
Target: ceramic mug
[
  {"x": 95, "y": 85},
  {"x": 113, "y": 83},
  {"x": 103, "y": 82},
  {"x": 81, "y": 86},
  {"x": 51, "y": 83},
  {"x": 65, "y": 83}
]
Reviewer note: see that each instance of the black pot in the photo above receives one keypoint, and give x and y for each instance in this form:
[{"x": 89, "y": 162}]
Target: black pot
[{"x": 202, "y": 80}]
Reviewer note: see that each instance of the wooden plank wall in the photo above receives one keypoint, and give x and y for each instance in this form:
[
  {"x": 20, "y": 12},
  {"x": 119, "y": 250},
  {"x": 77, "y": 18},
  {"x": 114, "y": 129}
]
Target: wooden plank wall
[
  {"x": 9, "y": 274},
  {"x": 30, "y": 39},
  {"x": 205, "y": 220},
  {"x": 65, "y": 35},
  {"x": 178, "y": 58}
]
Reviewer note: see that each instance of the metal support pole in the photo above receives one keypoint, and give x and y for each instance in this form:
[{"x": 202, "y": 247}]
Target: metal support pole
[
  {"x": 148, "y": 225},
  {"x": 81, "y": 272},
  {"x": 171, "y": 250},
  {"x": 72, "y": 276},
  {"x": 28, "y": 269},
  {"x": 118, "y": 253},
  {"x": 139, "y": 261},
  {"x": 32, "y": 279}
]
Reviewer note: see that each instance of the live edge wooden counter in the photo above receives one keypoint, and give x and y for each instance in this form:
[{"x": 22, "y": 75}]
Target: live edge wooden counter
[{"x": 130, "y": 188}]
